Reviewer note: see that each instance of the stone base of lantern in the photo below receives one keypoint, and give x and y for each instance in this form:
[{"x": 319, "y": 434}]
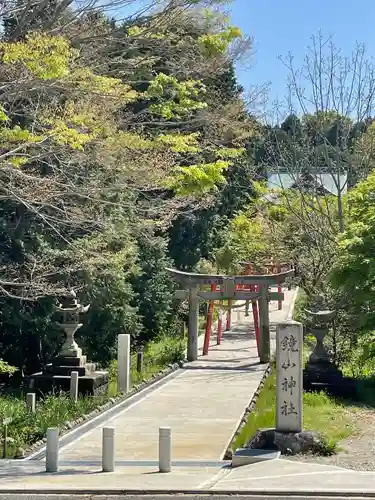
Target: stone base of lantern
[
  {"x": 56, "y": 377},
  {"x": 324, "y": 376}
]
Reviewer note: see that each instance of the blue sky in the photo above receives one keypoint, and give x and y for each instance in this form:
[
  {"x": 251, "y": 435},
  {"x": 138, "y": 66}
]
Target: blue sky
[{"x": 282, "y": 26}]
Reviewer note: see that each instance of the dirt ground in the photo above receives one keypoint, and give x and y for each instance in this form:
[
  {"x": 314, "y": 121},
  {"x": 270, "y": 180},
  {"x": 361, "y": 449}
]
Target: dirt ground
[{"x": 356, "y": 452}]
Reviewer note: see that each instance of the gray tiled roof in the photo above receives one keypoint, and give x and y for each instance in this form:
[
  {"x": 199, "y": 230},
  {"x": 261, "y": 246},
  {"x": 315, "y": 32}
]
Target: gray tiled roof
[{"x": 286, "y": 180}]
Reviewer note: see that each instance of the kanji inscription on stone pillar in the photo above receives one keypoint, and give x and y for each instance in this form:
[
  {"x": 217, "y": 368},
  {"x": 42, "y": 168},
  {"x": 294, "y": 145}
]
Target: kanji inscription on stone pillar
[{"x": 289, "y": 376}]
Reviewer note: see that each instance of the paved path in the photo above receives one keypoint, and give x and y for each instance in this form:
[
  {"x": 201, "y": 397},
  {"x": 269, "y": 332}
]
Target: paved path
[
  {"x": 202, "y": 404},
  {"x": 277, "y": 478}
]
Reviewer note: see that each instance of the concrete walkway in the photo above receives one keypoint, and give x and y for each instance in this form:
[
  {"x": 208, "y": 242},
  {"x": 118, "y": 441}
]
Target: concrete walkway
[
  {"x": 278, "y": 478},
  {"x": 202, "y": 403}
]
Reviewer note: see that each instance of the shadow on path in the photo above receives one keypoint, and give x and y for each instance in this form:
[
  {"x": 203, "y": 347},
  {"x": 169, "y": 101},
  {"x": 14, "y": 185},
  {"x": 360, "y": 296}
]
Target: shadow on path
[{"x": 243, "y": 368}]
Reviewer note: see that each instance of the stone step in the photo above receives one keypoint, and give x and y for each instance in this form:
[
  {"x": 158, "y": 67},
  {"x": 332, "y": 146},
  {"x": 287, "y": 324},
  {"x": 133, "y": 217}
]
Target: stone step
[
  {"x": 46, "y": 383},
  {"x": 87, "y": 369},
  {"x": 69, "y": 361},
  {"x": 247, "y": 456}
]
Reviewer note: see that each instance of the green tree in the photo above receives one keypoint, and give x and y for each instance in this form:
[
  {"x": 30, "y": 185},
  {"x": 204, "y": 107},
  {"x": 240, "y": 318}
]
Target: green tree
[
  {"x": 93, "y": 154},
  {"x": 354, "y": 269},
  {"x": 154, "y": 288}
]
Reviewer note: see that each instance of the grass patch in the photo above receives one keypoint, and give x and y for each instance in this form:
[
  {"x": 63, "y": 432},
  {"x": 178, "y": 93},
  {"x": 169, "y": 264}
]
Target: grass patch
[
  {"x": 53, "y": 411},
  {"x": 320, "y": 413},
  {"x": 56, "y": 411}
]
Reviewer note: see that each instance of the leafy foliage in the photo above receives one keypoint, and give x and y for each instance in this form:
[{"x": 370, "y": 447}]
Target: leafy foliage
[
  {"x": 110, "y": 143},
  {"x": 174, "y": 99},
  {"x": 354, "y": 269},
  {"x": 246, "y": 239},
  {"x": 198, "y": 179},
  {"x": 6, "y": 368}
]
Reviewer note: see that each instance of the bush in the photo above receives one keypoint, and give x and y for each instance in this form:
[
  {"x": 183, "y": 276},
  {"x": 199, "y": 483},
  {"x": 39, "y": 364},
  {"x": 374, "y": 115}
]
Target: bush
[
  {"x": 360, "y": 363},
  {"x": 166, "y": 350},
  {"x": 53, "y": 411},
  {"x": 28, "y": 335},
  {"x": 111, "y": 296},
  {"x": 301, "y": 304},
  {"x": 6, "y": 368}
]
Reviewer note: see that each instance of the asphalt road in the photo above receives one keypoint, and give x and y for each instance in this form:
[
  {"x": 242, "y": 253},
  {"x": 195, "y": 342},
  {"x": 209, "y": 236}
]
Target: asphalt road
[{"x": 234, "y": 496}]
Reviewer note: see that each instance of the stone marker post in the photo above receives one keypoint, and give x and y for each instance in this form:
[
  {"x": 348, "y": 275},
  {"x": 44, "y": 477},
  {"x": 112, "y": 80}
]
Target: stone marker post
[
  {"x": 74, "y": 386},
  {"x": 140, "y": 361},
  {"x": 123, "y": 362},
  {"x": 289, "y": 376},
  {"x": 30, "y": 402},
  {"x": 192, "y": 350}
]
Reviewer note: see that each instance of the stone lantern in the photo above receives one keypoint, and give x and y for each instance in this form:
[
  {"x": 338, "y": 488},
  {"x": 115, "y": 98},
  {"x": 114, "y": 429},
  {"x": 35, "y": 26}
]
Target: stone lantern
[
  {"x": 319, "y": 325},
  {"x": 71, "y": 309},
  {"x": 57, "y": 374},
  {"x": 320, "y": 373}
]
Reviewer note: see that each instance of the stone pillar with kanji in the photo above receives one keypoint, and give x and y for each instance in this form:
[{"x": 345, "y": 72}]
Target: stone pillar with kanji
[{"x": 289, "y": 376}]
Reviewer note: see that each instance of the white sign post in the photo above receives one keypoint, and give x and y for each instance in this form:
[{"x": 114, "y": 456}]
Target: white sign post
[{"x": 289, "y": 376}]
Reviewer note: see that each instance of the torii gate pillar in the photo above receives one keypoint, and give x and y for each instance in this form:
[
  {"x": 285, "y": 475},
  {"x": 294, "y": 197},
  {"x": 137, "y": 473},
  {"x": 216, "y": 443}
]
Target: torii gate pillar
[
  {"x": 193, "y": 327},
  {"x": 264, "y": 325}
]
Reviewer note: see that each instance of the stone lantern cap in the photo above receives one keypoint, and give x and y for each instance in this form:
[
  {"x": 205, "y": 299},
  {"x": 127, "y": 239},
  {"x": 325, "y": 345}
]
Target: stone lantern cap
[
  {"x": 324, "y": 315},
  {"x": 71, "y": 304}
]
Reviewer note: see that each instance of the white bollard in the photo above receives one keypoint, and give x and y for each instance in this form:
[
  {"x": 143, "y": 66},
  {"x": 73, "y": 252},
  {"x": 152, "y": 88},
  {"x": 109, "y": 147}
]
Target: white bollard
[
  {"x": 165, "y": 449},
  {"x": 52, "y": 450},
  {"x": 108, "y": 449},
  {"x": 74, "y": 386},
  {"x": 123, "y": 362},
  {"x": 30, "y": 402}
]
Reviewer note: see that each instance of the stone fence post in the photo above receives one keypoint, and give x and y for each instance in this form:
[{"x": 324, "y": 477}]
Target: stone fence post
[{"x": 123, "y": 363}]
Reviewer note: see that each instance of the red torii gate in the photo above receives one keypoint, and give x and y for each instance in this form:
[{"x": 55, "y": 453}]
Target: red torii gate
[
  {"x": 231, "y": 288},
  {"x": 210, "y": 313},
  {"x": 273, "y": 268}
]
